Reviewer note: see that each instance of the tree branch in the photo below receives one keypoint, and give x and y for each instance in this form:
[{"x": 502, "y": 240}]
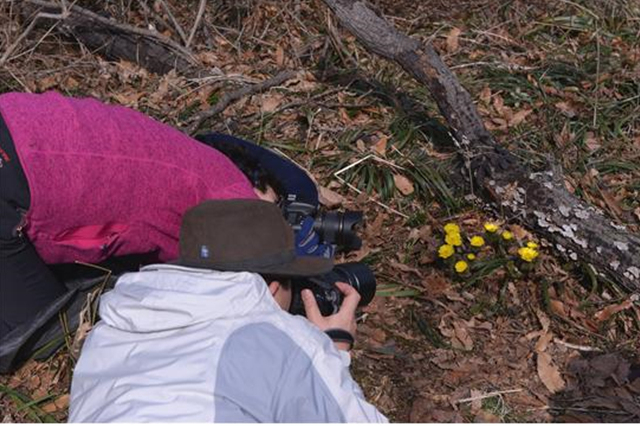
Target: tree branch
[{"x": 231, "y": 97}]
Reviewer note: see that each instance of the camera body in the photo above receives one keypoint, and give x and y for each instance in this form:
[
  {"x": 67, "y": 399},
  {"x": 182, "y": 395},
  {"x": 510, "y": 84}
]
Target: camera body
[
  {"x": 338, "y": 229},
  {"x": 328, "y": 296}
]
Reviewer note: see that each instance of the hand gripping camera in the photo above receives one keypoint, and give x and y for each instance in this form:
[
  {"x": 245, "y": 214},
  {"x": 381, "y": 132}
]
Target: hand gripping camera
[{"x": 329, "y": 298}]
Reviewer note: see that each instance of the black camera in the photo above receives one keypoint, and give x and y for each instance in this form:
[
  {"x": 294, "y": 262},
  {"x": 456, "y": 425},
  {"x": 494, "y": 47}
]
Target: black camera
[
  {"x": 327, "y": 295},
  {"x": 337, "y": 228}
]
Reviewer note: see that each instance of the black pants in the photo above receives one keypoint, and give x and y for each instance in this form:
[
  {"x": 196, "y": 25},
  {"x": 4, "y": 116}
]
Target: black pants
[{"x": 27, "y": 285}]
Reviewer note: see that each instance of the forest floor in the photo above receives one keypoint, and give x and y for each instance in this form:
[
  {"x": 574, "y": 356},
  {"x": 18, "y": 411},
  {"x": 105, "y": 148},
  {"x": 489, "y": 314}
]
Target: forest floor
[{"x": 551, "y": 341}]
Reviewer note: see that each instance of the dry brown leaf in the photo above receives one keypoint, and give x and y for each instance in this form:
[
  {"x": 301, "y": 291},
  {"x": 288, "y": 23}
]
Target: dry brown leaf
[
  {"x": 404, "y": 185},
  {"x": 271, "y": 102},
  {"x": 402, "y": 267},
  {"x": 476, "y": 404},
  {"x": 558, "y": 308},
  {"x": 519, "y": 117},
  {"x": 414, "y": 234},
  {"x": 543, "y": 342},
  {"x": 545, "y": 322},
  {"x": 485, "y": 95},
  {"x": 453, "y": 39},
  {"x": 549, "y": 373},
  {"x": 462, "y": 335},
  {"x": 329, "y": 198},
  {"x": 129, "y": 99},
  {"x": 425, "y": 233},
  {"x": 280, "y": 56},
  {"x": 591, "y": 142},
  {"x": 381, "y": 146},
  {"x": 566, "y": 108},
  {"x": 520, "y": 233},
  {"x": 611, "y": 310},
  {"x": 612, "y": 203},
  {"x": 59, "y": 404},
  {"x": 498, "y": 104}
]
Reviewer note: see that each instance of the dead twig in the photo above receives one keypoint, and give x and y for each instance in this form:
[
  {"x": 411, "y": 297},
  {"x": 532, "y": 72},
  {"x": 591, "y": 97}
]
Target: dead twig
[
  {"x": 201, "y": 8},
  {"x": 229, "y": 98},
  {"x": 487, "y": 395},
  {"x": 175, "y": 22}
]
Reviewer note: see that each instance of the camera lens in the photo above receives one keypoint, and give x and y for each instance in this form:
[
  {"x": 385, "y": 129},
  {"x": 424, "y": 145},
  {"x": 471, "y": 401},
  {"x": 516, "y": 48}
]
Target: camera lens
[
  {"x": 359, "y": 276},
  {"x": 339, "y": 228}
]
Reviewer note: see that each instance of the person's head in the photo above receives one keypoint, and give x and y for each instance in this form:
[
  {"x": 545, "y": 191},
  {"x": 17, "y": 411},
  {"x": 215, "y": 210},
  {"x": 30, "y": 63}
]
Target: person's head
[
  {"x": 246, "y": 236},
  {"x": 280, "y": 289},
  {"x": 264, "y": 183}
]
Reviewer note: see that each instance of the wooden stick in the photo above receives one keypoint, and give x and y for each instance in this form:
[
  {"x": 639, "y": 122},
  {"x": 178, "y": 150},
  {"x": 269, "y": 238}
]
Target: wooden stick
[
  {"x": 201, "y": 9},
  {"x": 229, "y": 98},
  {"x": 175, "y": 22},
  {"x": 488, "y": 395}
]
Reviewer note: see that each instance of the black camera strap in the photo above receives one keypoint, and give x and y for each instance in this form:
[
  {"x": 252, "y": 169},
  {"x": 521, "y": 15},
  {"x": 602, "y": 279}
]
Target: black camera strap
[{"x": 341, "y": 336}]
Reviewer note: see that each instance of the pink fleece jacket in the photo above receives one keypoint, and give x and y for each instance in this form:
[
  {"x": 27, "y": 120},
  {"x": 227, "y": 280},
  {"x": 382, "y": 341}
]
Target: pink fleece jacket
[{"x": 107, "y": 180}]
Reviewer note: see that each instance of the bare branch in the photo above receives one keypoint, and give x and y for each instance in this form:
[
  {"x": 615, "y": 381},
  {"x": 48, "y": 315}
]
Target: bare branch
[
  {"x": 234, "y": 96},
  {"x": 201, "y": 8}
]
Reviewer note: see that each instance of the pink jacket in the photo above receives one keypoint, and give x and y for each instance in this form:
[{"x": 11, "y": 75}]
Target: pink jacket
[{"x": 107, "y": 180}]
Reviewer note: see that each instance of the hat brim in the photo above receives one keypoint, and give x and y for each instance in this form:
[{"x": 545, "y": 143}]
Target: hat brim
[{"x": 304, "y": 266}]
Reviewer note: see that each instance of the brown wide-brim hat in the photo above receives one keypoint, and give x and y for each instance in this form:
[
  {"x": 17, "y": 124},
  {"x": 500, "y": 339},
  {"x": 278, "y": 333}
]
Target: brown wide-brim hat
[{"x": 244, "y": 235}]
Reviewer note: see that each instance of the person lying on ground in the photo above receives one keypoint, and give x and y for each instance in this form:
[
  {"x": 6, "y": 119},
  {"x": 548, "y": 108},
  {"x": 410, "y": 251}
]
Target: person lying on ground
[
  {"x": 82, "y": 181},
  {"x": 208, "y": 338}
]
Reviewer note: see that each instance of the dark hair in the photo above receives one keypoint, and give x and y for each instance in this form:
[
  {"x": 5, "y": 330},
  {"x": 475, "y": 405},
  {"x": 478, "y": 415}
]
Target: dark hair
[
  {"x": 285, "y": 282},
  {"x": 259, "y": 177}
]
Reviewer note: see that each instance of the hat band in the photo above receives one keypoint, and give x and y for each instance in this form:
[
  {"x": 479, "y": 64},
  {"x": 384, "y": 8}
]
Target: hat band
[{"x": 281, "y": 258}]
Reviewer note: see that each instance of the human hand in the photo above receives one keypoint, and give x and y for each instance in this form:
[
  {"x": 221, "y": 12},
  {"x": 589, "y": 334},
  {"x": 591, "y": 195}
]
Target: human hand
[{"x": 344, "y": 319}]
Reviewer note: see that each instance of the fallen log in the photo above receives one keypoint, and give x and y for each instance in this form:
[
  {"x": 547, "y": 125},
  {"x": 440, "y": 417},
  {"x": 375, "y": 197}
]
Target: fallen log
[
  {"x": 540, "y": 200},
  {"x": 115, "y": 40}
]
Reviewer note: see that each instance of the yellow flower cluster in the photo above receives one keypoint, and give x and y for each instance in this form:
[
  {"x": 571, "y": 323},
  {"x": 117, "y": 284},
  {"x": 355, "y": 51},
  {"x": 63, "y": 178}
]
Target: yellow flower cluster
[
  {"x": 446, "y": 251},
  {"x": 453, "y": 239},
  {"x": 528, "y": 254},
  {"x": 490, "y": 227},
  {"x": 461, "y": 266},
  {"x": 477, "y": 241},
  {"x": 496, "y": 242}
]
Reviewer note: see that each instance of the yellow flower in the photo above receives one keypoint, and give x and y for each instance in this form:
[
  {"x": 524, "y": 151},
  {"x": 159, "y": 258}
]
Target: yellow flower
[
  {"x": 532, "y": 245},
  {"x": 461, "y": 266},
  {"x": 471, "y": 256},
  {"x": 454, "y": 239},
  {"x": 507, "y": 235},
  {"x": 445, "y": 251},
  {"x": 477, "y": 241},
  {"x": 527, "y": 254},
  {"x": 490, "y": 227},
  {"x": 451, "y": 228}
]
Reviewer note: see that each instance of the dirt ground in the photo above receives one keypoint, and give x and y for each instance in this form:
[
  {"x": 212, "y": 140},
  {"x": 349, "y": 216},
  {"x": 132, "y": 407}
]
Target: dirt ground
[{"x": 557, "y": 343}]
